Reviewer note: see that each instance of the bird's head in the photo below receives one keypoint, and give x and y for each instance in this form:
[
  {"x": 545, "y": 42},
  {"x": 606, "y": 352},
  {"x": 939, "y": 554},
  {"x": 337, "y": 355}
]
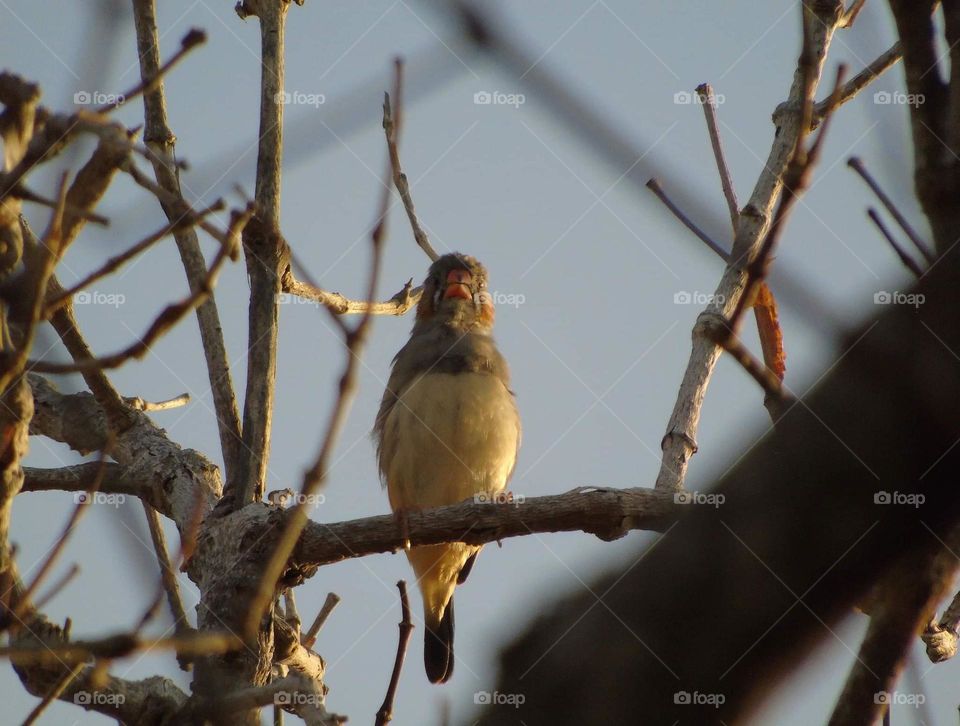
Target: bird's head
[{"x": 455, "y": 292}]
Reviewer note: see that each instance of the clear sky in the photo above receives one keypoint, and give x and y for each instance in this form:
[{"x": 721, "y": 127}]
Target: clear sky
[{"x": 596, "y": 341}]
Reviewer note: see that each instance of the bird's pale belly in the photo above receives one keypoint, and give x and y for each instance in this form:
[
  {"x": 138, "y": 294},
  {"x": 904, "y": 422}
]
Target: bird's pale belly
[{"x": 456, "y": 436}]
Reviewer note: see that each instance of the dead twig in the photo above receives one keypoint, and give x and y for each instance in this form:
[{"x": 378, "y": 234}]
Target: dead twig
[
  {"x": 329, "y": 604},
  {"x": 654, "y": 186},
  {"x": 905, "y": 258},
  {"x": 708, "y": 101},
  {"x": 190, "y": 41},
  {"x": 856, "y": 164},
  {"x": 385, "y": 714},
  {"x": 391, "y": 129},
  {"x": 164, "y": 322}
]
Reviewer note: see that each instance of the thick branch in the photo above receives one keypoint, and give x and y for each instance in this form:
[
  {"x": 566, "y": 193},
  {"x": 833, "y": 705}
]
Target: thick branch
[
  {"x": 606, "y": 513},
  {"x": 174, "y": 481}
]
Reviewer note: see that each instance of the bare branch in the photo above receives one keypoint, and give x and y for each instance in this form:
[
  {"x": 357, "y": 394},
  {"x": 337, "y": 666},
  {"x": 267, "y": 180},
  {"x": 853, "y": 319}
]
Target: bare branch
[
  {"x": 114, "y": 263},
  {"x": 266, "y": 255},
  {"x": 857, "y": 165},
  {"x": 678, "y": 443},
  {"x": 82, "y": 504},
  {"x": 399, "y": 304},
  {"x": 607, "y": 513},
  {"x": 708, "y": 101},
  {"x": 53, "y": 694},
  {"x": 899, "y": 606},
  {"x": 385, "y": 714},
  {"x": 160, "y": 139},
  {"x": 654, "y": 186},
  {"x": 180, "y": 484},
  {"x": 850, "y": 16},
  {"x": 170, "y": 316},
  {"x": 315, "y": 477},
  {"x": 190, "y": 41},
  {"x": 391, "y": 128},
  {"x": 168, "y": 575},
  {"x": 905, "y": 258},
  {"x": 328, "y": 605}
]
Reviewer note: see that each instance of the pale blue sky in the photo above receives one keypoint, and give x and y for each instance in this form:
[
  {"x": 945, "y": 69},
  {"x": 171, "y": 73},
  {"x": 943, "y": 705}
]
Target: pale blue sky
[{"x": 597, "y": 348}]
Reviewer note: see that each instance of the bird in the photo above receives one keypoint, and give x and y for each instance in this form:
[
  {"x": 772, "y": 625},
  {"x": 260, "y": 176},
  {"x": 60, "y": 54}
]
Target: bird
[{"x": 448, "y": 430}]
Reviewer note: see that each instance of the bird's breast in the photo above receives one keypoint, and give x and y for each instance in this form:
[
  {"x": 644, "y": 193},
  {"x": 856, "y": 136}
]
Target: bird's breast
[{"x": 452, "y": 436}]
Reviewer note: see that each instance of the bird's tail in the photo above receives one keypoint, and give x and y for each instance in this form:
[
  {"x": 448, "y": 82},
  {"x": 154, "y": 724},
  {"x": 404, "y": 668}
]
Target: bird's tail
[{"x": 438, "y": 647}]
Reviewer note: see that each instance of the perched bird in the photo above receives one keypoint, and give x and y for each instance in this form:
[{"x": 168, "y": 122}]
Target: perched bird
[{"x": 447, "y": 430}]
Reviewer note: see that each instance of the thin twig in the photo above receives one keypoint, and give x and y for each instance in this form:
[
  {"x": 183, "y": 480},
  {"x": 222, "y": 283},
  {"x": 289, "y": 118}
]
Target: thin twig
[
  {"x": 856, "y": 164},
  {"x": 777, "y": 400},
  {"x": 850, "y": 16},
  {"x": 190, "y": 41},
  {"x": 54, "y": 693},
  {"x": 114, "y": 263},
  {"x": 329, "y": 604},
  {"x": 905, "y": 258},
  {"x": 139, "y": 404},
  {"x": 83, "y": 502},
  {"x": 385, "y": 714},
  {"x": 391, "y": 129},
  {"x": 163, "y": 323},
  {"x": 708, "y": 101},
  {"x": 401, "y": 302},
  {"x": 21, "y": 192},
  {"x": 58, "y": 586},
  {"x": 851, "y": 88},
  {"x": 654, "y": 186},
  {"x": 167, "y": 574}
]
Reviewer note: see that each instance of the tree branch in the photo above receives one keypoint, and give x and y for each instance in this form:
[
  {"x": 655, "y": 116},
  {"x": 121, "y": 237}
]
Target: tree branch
[
  {"x": 160, "y": 139},
  {"x": 678, "y": 442}
]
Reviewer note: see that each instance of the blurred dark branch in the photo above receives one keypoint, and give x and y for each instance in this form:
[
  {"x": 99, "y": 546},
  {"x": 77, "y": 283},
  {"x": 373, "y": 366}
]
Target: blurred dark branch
[
  {"x": 857, "y": 165},
  {"x": 905, "y": 258},
  {"x": 901, "y": 604}
]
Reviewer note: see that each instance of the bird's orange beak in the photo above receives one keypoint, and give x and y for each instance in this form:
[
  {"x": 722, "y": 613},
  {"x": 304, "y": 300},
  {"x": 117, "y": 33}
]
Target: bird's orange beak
[{"x": 458, "y": 285}]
